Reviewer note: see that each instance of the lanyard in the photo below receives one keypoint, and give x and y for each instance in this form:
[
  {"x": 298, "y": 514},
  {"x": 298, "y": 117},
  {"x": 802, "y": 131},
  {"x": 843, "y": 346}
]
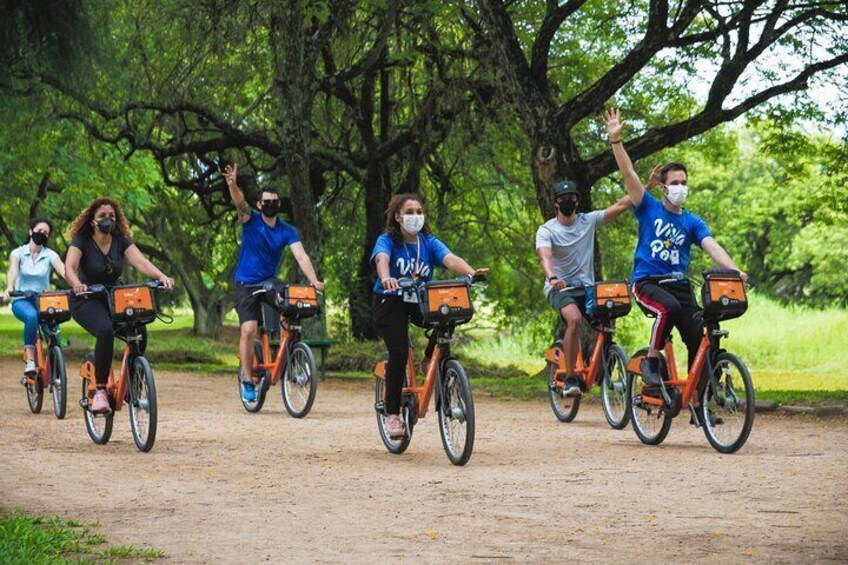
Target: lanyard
[{"x": 417, "y": 256}]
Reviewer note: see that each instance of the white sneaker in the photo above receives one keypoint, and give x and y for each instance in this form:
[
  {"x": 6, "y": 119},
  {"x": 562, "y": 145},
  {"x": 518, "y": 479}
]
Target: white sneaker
[
  {"x": 394, "y": 426},
  {"x": 30, "y": 369}
]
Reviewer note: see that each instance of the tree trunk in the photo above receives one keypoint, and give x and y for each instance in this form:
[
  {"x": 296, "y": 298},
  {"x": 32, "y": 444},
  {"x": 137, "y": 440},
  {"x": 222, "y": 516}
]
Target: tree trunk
[{"x": 208, "y": 318}]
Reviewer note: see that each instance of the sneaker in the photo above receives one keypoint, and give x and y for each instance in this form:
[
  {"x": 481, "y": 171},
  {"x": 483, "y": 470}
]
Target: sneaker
[
  {"x": 695, "y": 419},
  {"x": 650, "y": 367},
  {"x": 248, "y": 391},
  {"x": 571, "y": 387},
  {"x": 30, "y": 368},
  {"x": 394, "y": 426},
  {"x": 100, "y": 402}
]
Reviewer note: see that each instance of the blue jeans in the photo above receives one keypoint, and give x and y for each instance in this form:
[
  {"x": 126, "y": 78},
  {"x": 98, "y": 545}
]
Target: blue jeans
[{"x": 26, "y": 311}]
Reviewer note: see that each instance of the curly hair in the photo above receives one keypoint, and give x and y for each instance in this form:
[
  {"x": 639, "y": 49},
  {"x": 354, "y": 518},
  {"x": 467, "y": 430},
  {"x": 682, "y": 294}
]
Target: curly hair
[
  {"x": 82, "y": 225},
  {"x": 394, "y": 208}
]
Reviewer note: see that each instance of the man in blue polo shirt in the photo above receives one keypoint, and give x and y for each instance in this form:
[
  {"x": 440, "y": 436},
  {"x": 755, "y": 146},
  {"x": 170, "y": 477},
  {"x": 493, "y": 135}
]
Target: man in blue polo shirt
[
  {"x": 666, "y": 234},
  {"x": 264, "y": 240}
]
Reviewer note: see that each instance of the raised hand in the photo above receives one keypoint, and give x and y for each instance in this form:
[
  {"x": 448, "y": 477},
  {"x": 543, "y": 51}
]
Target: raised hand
[
  {"x": 231, "y": 175},
  {"x": 654, "y": 180},
  {"x": 613, "y": 123}
]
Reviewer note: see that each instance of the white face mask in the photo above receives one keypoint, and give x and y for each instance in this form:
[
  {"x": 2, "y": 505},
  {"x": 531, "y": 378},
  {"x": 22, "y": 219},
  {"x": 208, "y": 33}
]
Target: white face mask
[
  {"x": 412, "y": 223},
  {"x": 677, "y": 193}
]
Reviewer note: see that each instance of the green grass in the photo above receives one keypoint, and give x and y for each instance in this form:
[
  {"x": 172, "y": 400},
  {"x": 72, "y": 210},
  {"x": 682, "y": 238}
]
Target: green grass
[{"x": 28, "y": 540}]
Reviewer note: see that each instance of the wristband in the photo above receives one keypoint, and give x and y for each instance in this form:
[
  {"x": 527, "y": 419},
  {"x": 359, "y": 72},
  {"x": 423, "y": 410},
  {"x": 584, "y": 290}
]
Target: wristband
[
  {"x": 553, "y": 278},
  {"x": 614, "y": 142}
]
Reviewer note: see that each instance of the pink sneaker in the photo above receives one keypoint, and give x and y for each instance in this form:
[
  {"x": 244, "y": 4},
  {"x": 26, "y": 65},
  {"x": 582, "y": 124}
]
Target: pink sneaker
[
  {"x": 100, "y": 402},
  {"x": 394, "y": 426}
]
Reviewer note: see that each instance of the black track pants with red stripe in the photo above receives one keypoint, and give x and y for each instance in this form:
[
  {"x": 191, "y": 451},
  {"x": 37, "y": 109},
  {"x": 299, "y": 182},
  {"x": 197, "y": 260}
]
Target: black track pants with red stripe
[{"x": 675, "y": 307}]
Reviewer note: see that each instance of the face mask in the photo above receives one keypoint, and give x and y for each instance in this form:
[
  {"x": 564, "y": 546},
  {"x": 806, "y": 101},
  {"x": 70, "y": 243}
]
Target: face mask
[
  {"x": 271, "y": 210},
  {"x": 412, "y": 223},
  {"x": 567, "y": 207},
  {"x": 106, "y": 225},
  {"x": 677, "y": 193},
  {"x": 39, "y": 238}
]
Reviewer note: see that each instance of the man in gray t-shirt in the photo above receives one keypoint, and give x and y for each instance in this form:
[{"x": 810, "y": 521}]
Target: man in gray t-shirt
[{"x": 566, "y": 249}]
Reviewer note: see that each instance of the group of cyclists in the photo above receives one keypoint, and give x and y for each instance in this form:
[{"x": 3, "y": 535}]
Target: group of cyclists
[{"x": 101, "y": 244}]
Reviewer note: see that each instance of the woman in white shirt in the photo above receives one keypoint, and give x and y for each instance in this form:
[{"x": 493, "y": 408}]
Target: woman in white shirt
[{"x": 29, "y": 269}]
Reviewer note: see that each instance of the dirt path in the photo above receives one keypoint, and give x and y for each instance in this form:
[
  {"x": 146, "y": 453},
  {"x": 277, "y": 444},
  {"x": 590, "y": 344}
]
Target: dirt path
[{"x": 224, "y": 486}]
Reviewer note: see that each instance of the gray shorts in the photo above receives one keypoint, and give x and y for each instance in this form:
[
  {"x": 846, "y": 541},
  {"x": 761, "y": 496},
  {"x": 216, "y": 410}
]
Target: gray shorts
[{"x": 560, "y": 299}]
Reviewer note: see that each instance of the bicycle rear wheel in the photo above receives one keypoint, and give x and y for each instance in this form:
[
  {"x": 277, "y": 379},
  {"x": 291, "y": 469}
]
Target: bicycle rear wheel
[
  {"x": 299, "y": 382},
  {"x": 565, "y": 407},
  {"x": 456, "y": 413},
  {"x": 35, "y": 394},
  {"x": 614, "y": 397},
  {"x": 727, "y": 408},
  {"x": 143, "y": 404},
  {"x": 260, "y": 387},
  {"x": 98, "y": 426},
  {"x": 393, "y": 445},
  {"x": 58, "y": 381},
  {"x": 650, "y": 422}
]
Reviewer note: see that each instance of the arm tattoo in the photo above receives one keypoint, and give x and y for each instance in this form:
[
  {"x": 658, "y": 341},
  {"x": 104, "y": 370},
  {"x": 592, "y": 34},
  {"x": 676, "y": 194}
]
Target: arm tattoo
[{"x": 244, "y": 209}]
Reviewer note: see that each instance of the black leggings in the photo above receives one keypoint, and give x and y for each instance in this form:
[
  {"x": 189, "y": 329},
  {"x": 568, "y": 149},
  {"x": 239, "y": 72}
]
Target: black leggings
[
  {"x": 675, "y": 306},
  {"x": 92, "y": 313},
  {"x": 392, "y": 317}
]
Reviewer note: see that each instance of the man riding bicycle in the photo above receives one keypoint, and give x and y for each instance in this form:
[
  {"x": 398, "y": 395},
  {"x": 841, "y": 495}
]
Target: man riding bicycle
[
  {"x": 566, "y": 249},
  {"x": 264, "y": 240},
  {"x": 666, "y": 234}
]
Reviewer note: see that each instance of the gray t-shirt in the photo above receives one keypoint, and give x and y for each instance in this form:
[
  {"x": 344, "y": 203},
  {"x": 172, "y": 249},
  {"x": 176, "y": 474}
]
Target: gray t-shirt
[{"x": 572, "y": 248}]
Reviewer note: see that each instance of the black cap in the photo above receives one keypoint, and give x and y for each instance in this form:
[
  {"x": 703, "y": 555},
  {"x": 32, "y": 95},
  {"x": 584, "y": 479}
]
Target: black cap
[{"x": 564, "y": 187}]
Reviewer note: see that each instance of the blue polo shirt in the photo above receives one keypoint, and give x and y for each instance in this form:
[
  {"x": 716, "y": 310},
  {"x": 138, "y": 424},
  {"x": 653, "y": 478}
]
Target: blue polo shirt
[
  {"x": 262, "y": 249},
  {"x": 665, "y": 239}
]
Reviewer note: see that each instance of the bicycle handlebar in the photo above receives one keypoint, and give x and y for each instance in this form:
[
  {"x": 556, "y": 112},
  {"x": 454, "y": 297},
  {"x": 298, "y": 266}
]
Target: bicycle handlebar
[{"x": 103, "y": 289}]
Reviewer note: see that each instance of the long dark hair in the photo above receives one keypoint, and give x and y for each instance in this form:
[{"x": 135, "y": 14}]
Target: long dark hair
[
  {"x": 34, "y": 222},
  {"x": 394, "y": 208},
  {"x": 82, "y": 224}
]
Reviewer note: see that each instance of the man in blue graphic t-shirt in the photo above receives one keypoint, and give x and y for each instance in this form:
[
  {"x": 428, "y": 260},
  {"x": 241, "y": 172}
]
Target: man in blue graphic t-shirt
[
  {"x": 666, "y": 234},
  {"x": 263, "y": 242}
]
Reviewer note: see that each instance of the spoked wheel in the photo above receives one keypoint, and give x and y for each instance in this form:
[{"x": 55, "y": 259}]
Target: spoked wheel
[
  {"x": 394, "y": 445},
  {"x": 35, "y": 394},
  {"x": 614, "y": 395},
  {"x": 456, "y": 413},
  {"x": 58, "y": 381},
  {"x": 142, "y": 404},
  {"x": 650, "y": 422},
  {"x": 260, "y": 387},
  {"x": 99, "y": 426},
  {"x": 727, "y": 407},
  {"x": 565, "y": 407},
  {"x": 299, "y": 382}
]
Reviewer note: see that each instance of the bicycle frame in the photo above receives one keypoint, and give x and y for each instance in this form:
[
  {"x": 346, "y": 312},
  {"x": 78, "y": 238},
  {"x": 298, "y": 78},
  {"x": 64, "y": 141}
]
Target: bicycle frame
[
  {"x": 40, "y": 356},
  {"x": 275, "y": 367},
  {"x": 117, "y": 388},
  {"x": 588, "y": 373},
  {"x": 690, "y": 384}
]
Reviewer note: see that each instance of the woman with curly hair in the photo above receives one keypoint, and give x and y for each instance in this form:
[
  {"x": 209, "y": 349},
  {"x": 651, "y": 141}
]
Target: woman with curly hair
[
  {"x": 407, "y": 249},
  {"x": 100, "y": 242}
]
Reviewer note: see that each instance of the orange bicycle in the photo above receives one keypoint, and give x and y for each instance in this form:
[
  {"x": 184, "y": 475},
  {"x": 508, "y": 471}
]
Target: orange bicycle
[
  {"x": 718, "y": 382},
  {"x": 607, "y": 364},
  {"x": 53, "y": 309},
  {"x": 132, "y": 307},
  {"x": 283, "y": 308},
  {"x": 444, "y": 305}
]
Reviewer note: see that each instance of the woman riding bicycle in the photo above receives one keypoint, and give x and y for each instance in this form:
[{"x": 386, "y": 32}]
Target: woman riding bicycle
[
  {"x": 29, "y": 270},
  {"x": 406, "y": 249},
  {"x": 100, "y": 241}
]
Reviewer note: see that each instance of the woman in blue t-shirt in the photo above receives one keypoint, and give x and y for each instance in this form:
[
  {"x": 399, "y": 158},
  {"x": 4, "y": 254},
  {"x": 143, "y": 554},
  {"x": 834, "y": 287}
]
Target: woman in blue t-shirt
[
  {"x": 407, "y": 249},
  {"x": 30, "y": 266}
]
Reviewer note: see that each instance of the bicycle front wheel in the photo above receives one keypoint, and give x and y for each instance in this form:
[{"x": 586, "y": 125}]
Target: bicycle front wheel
[
  {"x": 299, "y": 382},
  {"x": 727, "y": 405},
  {"x": 58, "y": 381},
  {"x": 614, "y": 397},
  {"x": 98, "y": 426},
  {"x": 143, "y": 407},
  {"x": 456, "y": 413}
]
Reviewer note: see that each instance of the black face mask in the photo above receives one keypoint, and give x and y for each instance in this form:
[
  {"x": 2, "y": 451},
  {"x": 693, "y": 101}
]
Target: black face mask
[
  {"x": 567, "y": 207},
  {"x": 39, "y": 238},
  {"x": 106, "y": 225},
  {"x": 270, "y": 210}
]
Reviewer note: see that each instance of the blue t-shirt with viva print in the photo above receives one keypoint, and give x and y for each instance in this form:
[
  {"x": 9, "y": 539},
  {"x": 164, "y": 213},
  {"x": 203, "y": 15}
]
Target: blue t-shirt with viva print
[
  {"x": 407, "y": 259},
  {"x": 665, "y": 239}
]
